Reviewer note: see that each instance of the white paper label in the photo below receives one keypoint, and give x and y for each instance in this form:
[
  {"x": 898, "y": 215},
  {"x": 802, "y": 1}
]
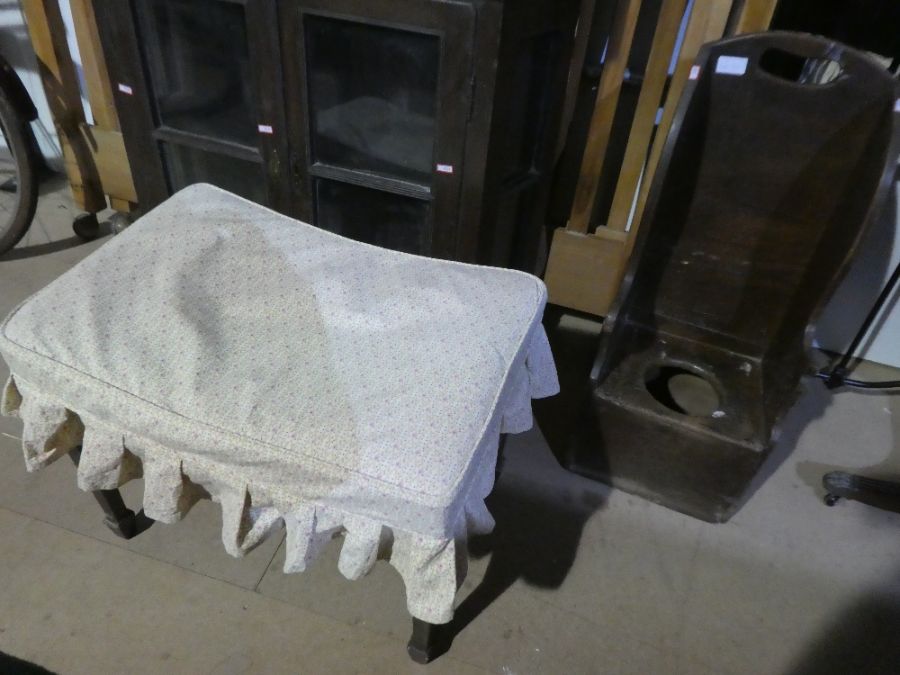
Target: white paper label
[
  {"x": 125, "y": 89},
  {"x": 265, "y": 129},
  {"x": 897, "y": 105},
  {"x": 695, "y": 73},
  {"x": 731, "y": 65},
  {"x": 445, "y": 168}
]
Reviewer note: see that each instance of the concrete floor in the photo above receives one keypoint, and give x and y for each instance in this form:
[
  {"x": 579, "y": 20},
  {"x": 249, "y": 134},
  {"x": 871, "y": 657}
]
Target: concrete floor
[{"x": 577, "y": 578}]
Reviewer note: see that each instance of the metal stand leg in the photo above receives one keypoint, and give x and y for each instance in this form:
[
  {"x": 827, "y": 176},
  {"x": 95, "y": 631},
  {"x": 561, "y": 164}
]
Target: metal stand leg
[
  {"x": 119, "y": 518},
  {"x": 837, "y": 376},
  {"x": 424, "y": 645},
  {"x": 839, "y": 484}
]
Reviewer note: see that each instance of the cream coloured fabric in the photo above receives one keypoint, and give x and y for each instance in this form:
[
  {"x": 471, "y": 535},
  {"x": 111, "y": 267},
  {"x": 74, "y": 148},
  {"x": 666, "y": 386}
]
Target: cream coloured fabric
[{"x": 220, "y": 349}]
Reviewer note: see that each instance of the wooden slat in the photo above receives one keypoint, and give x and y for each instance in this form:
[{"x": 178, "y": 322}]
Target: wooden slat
[
  {"x": 122, "y": 205},
  {"x": 96, "y": 77},
  {"x": 604, "y": 111},
  {"x": 104, "y": 139},
  {"x": 582, "y": 35},
  {"x": 582, "y": 269},
  {"x": 58, "y": 75},
  {"x": 706, "y": 23},
  {"x": 756, "y": 15},
  {"x": 644, "y": 120},
  {"x": 107, "y": 153}
]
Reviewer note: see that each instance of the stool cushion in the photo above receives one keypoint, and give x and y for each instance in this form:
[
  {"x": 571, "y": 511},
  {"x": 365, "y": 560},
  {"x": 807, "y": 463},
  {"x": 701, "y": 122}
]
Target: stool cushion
[{"x": 219, "y": 348}]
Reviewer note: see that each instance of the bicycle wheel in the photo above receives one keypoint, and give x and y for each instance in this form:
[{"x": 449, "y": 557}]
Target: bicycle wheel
[{"x": 18, "y": 176}]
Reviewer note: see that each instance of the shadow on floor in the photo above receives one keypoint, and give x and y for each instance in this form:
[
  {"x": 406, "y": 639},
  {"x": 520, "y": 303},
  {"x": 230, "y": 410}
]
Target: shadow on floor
[
  {"x": 809, "y": 406},
  {"x": 36, "y": 250},
  {"x": 10, "y": 665},
  {"x": 864, "y": 639},
  {"x": 539, "y": 528},
  {"x": 536, "y": 540}
]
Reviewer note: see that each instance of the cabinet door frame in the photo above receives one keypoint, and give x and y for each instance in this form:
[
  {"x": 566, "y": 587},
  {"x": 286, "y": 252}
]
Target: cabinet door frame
[
  {"x": 453, "y": 23},
  {"x": 117, "y": 23},
  {"x": 518, "y": 246}
]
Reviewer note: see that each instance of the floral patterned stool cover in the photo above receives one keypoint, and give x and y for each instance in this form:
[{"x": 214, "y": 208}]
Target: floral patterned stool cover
[{"x": 219, "y": 349}]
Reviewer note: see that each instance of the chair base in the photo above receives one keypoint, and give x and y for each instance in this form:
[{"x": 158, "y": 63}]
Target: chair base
[{"x": 703, "y": 475}]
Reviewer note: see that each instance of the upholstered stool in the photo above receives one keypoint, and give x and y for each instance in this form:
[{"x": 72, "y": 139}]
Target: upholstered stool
[{"x": 219, "y": 349}]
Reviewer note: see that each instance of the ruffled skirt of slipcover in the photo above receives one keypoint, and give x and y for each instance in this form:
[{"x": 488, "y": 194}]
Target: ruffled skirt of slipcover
[{"x": 432, "y": 568}]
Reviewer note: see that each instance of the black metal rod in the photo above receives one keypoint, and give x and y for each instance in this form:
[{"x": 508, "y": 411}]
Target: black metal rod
[
  {"x": 861, "y": 384},
  {"x": 837, "y": 377}
]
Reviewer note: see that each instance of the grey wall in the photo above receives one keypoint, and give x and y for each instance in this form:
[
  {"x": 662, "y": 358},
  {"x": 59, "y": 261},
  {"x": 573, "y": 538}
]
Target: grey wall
[{"x": 878, "y": 255}]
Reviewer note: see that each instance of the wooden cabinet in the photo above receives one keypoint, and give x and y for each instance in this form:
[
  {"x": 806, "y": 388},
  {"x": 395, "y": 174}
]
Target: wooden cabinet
[
  {"x": 422, "y": 125},
  {"x": 383, "y": 104},
  {"x": 195, "y": 81}
]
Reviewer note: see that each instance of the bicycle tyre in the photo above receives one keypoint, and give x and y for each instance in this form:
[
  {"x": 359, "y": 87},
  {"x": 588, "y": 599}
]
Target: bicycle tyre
[{"x": 18, "y": 137}]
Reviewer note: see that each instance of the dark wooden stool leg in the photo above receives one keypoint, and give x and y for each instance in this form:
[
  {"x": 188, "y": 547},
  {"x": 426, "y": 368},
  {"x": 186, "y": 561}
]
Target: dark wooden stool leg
[
  {"x": 424, "y": 645},
  {"x": 430, "y": 640},
  {"x": 119, "y": 518}
]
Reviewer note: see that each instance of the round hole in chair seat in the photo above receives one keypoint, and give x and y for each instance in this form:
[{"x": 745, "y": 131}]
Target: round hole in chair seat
[{"x": 682, "y": 390}]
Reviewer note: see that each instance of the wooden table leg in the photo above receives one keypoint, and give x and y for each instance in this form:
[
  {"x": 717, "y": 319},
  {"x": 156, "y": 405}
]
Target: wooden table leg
[
  {"x": 119, "y": 518},
  {"x": 429, "y": 640},
  {"x": 424, "y": 645}
]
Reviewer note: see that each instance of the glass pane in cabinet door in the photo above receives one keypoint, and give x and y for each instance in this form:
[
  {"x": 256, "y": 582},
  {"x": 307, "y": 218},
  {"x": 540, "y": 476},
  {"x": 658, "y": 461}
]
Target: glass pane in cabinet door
[
  {"x": 197, "y": 55},
  {"x": 372, "y": 93},
  {"x": 186, "y": 166},
  {"x": 375, "y": 217}
]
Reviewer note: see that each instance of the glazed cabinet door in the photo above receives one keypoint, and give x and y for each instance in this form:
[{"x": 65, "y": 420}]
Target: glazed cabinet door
[
  {"x": 378, "y": 99},
  {"x": 198, "y": 88}
]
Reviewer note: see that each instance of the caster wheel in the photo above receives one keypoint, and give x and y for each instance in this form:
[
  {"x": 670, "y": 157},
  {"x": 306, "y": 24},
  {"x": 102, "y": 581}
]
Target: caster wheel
[
  {"x": 831, "y": 500},
  {"x": 86, "y": 226},
  {"x": 119, "y": 221}
]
